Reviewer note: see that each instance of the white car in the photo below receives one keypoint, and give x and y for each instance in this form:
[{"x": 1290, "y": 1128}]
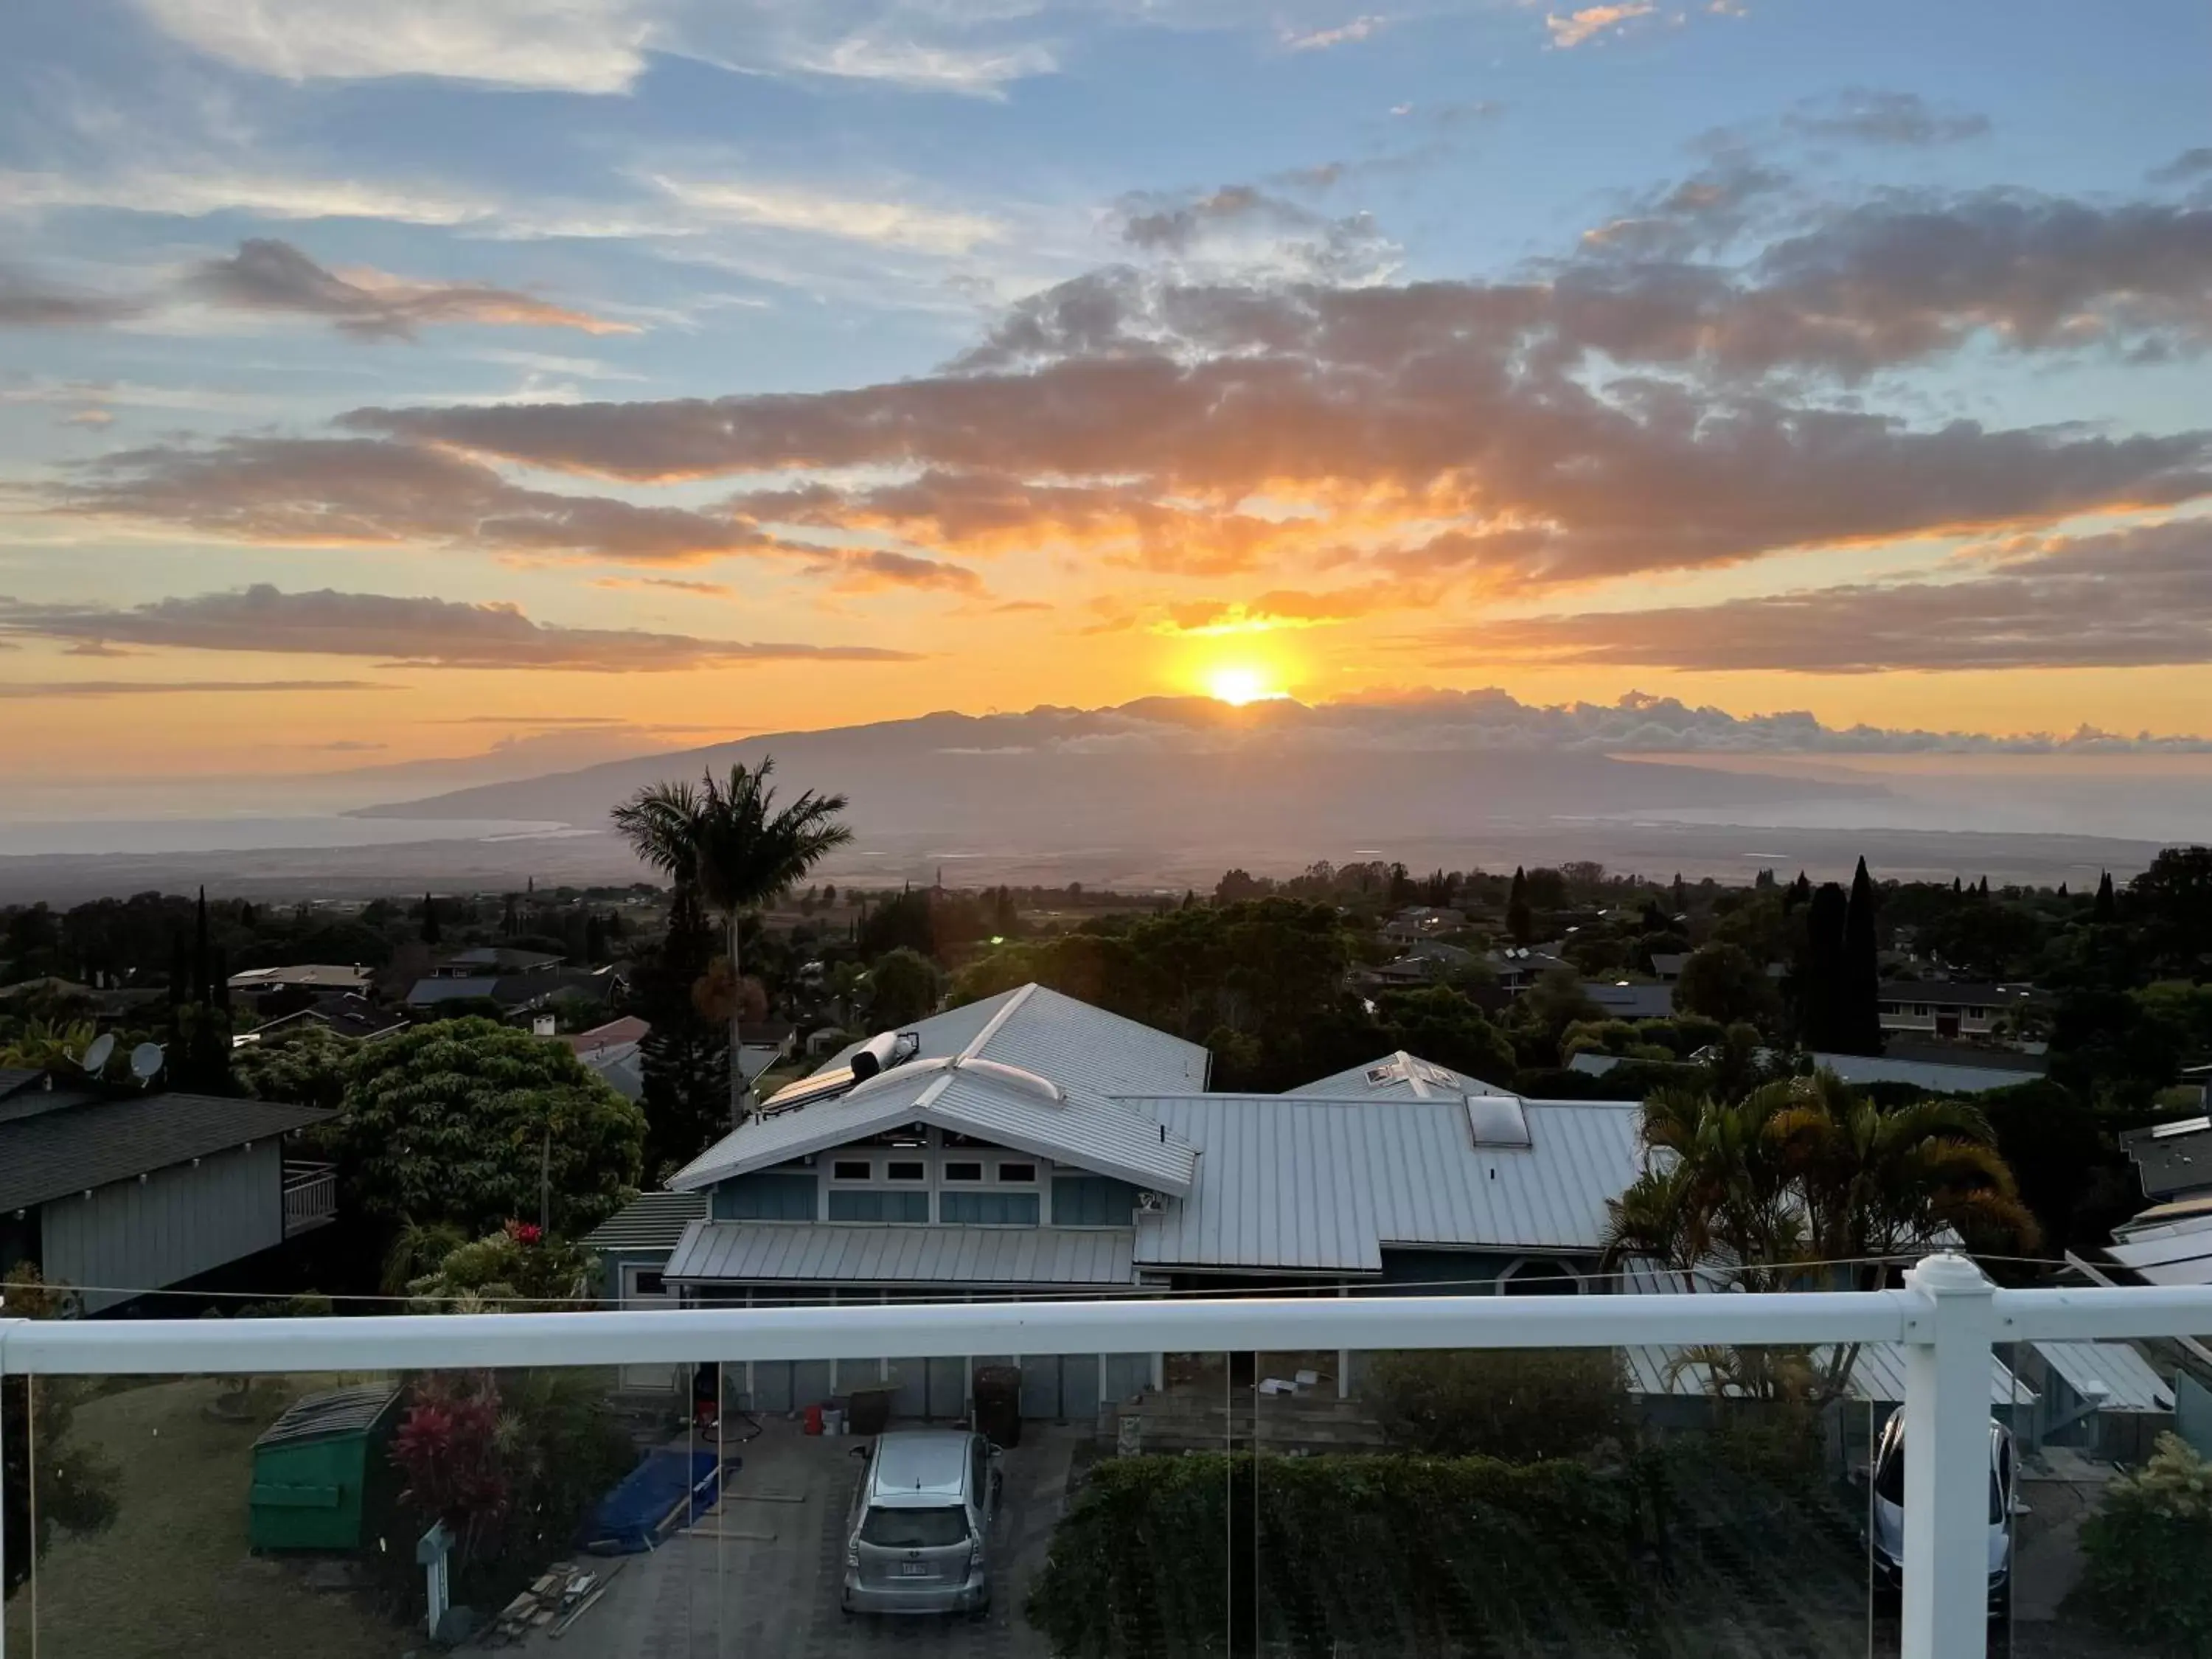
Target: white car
[{"x": 1885, "y": 1522}]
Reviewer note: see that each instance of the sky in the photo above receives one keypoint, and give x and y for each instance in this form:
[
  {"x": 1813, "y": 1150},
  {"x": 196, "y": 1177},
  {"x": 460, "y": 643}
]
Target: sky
[{"x": 388, "y": 382}]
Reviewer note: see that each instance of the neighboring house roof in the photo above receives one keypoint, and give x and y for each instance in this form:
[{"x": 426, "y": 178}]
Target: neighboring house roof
[
  {"x": 500, "y": 959},
  {"x": 13, "y": 1077},
  {"x": 1943, "y": 1076},
  {"x": 513, "y": 991},
  {"x": 2127, "y": 1382},
  {"x": 766, "y": 1033},
  {"x": 628, "y": 1028},
  {"x": 651, "y": 1221},
  {"x": 2176, "y": 1253},
  {"x": 1668, "y": 964},
  {"x": 2171, "y": 1158},
  {"x": 24, "y": 987},
  {"x": 1631, "y": 1001},
  {"x": 84, "y": 1140},
  {"x": 1398, "y": 1076},
  {"x": 1957, "y": 993},
  {"x": 759, "y": 1252},
  {"x": 1877, "y": 1374},
  {"x": 310, "y": 975},
  {"x": 1297, "y": 1182},
  {"x": 621, "y": 1067},
  {"x": 348, "y": 1016}
]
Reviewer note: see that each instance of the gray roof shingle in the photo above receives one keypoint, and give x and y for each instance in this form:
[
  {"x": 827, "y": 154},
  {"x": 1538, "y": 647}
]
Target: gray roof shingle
[{"x": 86, "y": 1142}]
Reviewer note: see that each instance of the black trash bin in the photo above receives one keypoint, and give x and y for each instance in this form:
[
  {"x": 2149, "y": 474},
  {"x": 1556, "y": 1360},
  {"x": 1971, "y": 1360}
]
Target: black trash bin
[
  {"x": 871, "y": 1410},
  {"x": 999, "y": 1404}
]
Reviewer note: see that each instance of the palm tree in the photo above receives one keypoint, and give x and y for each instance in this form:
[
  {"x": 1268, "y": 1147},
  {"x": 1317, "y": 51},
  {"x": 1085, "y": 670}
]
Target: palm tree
[{"x": 726, "y": 840}]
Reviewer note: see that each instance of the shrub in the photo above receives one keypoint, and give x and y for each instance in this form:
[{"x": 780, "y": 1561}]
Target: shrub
[
  {"x": 1519, "y": 1404},
  {"x": 2147, "y": 1553},
  {"x": 1412, "y": 1554}
]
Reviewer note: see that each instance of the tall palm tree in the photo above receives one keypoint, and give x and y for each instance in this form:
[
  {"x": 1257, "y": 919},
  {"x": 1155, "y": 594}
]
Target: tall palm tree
[{"x": 727, "y": 840}]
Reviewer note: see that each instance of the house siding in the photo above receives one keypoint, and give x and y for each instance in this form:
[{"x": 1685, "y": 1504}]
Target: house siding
[
  {"x": 132, "y": 1236},
  {"x": 1087, "y": 1200},
  {"x": 771, "y": 1195}
]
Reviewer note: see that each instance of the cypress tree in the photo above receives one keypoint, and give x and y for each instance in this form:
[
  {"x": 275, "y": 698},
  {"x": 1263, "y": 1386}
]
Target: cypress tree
[
  {"x": 1861, "y": 1018},
  {"x": 1520, "y": 924},
  {"x": 2106, "y": 908},
  {"x": 430, "y": 920},
  {"x": 1820, "y": 995}
]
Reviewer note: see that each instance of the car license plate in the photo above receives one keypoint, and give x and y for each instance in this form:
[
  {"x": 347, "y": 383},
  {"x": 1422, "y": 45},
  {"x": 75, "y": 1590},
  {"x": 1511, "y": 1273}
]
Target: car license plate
[{"x": 913, "y": 1569}]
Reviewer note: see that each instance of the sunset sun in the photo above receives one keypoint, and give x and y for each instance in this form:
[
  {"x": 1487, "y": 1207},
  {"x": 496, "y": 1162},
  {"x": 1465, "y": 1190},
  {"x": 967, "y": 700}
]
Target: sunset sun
[{"x": 1240, "y": 683}]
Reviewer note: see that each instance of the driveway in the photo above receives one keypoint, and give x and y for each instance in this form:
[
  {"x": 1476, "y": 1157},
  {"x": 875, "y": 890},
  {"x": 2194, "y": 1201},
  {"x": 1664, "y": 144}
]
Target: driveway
[{"x": 758, "y": 1579}]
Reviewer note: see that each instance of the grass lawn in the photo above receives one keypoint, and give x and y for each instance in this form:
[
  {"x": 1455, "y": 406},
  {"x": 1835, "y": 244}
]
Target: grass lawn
[{"x": 173, "y": 1578}]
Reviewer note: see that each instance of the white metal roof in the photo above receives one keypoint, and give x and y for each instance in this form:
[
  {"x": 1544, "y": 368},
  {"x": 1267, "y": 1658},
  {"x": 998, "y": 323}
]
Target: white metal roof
[
  {"x": 1399, "y": 1076},
  {"x": 2175, "y": 1253},
  {"x": 1937, "y": 1074},
  {"x": 1298, "y": 1182},
  {"x": 2129, "y": 1382},
  {"x": 1068, "y": 1040},
  {"x": 771, "y": 1251},
  {"x": 1085, "y": 1054},
  {"x": 1877, "y": 1374}
]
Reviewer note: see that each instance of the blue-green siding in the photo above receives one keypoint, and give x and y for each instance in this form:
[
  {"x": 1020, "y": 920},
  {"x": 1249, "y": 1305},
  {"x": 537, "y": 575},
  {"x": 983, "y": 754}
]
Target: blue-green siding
[
  {"x": 1089, "y": 1200},
  {"x": 989, "y": 1209},
  {"x": 875, "y": 1203},
  {"x": 766, "y": 1196}
]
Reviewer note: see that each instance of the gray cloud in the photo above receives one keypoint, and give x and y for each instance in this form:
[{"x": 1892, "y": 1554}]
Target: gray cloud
[
  {"x": 2133, "y": 599},
  {"x": 2190, "y": 164},
  {"x": 1865, "y": 116},
  {"x": 28, "y": 303},
  {"x": 266, "y": 275},
  {"x": 424, "y": 632},
  {"x": 39, "y": 690},
  {"x": 1242, "y": 221},
  {"x": 343, "y": 491}
]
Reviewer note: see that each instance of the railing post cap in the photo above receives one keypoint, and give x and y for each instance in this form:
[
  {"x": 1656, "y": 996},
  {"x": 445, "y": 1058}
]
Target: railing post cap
[{"x": 1948, "y": 1274}]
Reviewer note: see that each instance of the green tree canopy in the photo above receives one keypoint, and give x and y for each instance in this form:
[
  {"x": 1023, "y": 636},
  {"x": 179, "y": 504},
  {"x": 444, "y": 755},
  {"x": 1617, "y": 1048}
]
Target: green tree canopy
[
  {"x": 903, "y": 987},
  {"x": 304, "y": 1064},
  {"x": 1721, "y": 981},
  {"x": 453, "y": 1121}
]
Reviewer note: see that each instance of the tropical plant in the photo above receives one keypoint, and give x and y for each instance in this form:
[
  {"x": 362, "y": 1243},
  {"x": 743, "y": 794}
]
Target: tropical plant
[
  {"x": 2144, "y": 1553},
  {"x": 727, "y": 840},
  {"x": 42, "y": 1044},
  {"x": 1806, "y": 1171},
  {"x": 304, "y": 1065},
  {"x": 516, "y": 1269},
  {"x": 1520, "y": 1404}
]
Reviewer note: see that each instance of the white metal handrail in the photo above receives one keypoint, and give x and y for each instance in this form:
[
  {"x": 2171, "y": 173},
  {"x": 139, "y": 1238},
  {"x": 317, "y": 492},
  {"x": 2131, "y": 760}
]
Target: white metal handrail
[{"x": 1946, "y": 1317}]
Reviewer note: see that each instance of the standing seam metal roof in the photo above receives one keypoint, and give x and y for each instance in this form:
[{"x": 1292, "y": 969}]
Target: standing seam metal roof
[
  {"x": 2130, "y": 1383},
  {"x": 1298, "y": 1182},
  {"x": 726, "y": 1252}
]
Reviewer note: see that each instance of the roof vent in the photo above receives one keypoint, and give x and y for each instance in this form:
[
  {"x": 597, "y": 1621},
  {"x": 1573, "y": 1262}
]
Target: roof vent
[{"x": 1498, "y": 1120}]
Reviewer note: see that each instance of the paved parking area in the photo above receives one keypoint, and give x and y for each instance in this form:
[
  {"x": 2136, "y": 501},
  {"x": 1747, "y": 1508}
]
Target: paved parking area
[{"x": 759, "y": 1580}]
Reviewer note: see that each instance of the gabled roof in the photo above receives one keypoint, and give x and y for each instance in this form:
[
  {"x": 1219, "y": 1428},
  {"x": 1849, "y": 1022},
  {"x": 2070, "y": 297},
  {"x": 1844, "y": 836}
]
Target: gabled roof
[
  {"x": 1032, "y": 1069},
  {"x": 1087, "y": 1131},
  {"x": 86, "y": 1142},
  {"x": 1398, "y": 1076},
  {"x": 1298, "y": 1182}
]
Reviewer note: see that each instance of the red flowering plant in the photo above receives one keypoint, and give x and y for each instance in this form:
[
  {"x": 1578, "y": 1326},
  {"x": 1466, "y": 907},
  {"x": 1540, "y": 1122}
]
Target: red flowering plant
[{"x": 448, "y": 1449}]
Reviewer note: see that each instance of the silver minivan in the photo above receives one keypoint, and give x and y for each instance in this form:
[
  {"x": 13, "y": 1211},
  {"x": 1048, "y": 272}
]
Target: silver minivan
[
  {"x": 1886, "y": 1528},
  {"x": 918, "y": 1537}
]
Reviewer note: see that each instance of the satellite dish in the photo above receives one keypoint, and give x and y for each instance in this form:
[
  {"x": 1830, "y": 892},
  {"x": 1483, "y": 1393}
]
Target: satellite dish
[
  {"x": 96, "y": 1057},
  {"x": 146, "y": 1061}
]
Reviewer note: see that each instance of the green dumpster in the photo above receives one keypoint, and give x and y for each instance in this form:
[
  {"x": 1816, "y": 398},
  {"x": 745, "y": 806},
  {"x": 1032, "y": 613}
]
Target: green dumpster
[{"x": 313, "y": 1467}]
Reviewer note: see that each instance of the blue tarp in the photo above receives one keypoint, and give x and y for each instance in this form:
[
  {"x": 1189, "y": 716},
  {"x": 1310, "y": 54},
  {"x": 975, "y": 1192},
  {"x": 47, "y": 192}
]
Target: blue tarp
[{"x": 630, "y": 1519}]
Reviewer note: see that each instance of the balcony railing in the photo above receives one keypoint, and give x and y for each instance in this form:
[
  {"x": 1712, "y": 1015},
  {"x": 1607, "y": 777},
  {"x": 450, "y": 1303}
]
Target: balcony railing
[
  {"x": 311, "y": 1195},
  {"x": 1945, "y": 1320}
]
